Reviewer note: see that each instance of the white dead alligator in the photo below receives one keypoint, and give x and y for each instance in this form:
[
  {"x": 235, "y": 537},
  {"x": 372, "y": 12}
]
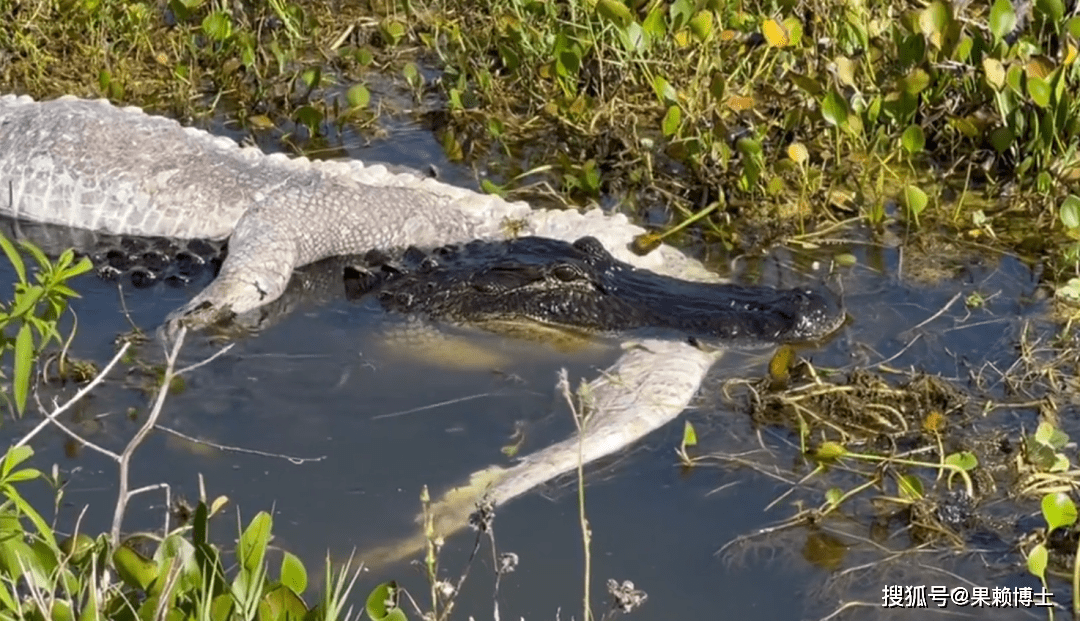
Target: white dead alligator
[{"x": 91, "y": 165}]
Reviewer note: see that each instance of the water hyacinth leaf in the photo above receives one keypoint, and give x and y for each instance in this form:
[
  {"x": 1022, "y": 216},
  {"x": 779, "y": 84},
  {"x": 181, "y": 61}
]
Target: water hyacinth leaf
[
  {"x": 1073, "y": 26},
  {"x": 964, "y": 460},
  {"x": 1058, "y": 510},
  {"x": 913, "y": 139},
  {"x": 845, "y": 259},
  {"x": 382, "y": 603},
  {"x": 282, "y": 604},
  {"x": 701, "y": 25},
  {"x": 915, "y": 200},
  {"x": 1070, "y": 213},
  {"x": 834, "y": 495},
  {"x": 672, "y": 120},
  {"x": 1047, "y": 433},
  {"x": 134, "y": 569},
  {"x": 834, "y": 109},
  {"x": 680, "y": 13},
  {"x": 1039, "y": 90},
  {"x": 634, "y": 37},
  {"x": 311, "y": 77},
  {"x": 653, "y": 23},
  {"x": 794, "y": 29},
  {"x": 915, "y": 82},
  {"x": 829, "y": 451},
  {"x": 358, "y": 96},
  {"x": 217, "y": 26},
  {"x": 310, "y": 117},
  {"x": 392, "y": 30},
  {"x": 1014, "y": 77},
  {"x": 1052, "y": 10},
  {"x": 664, "y": 90},
  {"x": 1002, "y": 18},
  {"x": 934, "y": 21},
  {"x": 1036, "y": 561},
  {"x": 614, "y": 11},
  {"x": 293, "y": 574},
  {"x": 253, "y": 542},
  {"x": 1001, "y": 139}
]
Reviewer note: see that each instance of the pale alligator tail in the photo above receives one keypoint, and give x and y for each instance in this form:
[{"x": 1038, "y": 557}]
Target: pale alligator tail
[{"x": 649, "y": 386}]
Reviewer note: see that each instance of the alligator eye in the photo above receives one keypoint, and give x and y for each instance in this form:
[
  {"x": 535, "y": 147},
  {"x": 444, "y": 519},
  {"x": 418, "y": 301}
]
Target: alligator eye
[{"x": 566, "y": 273}]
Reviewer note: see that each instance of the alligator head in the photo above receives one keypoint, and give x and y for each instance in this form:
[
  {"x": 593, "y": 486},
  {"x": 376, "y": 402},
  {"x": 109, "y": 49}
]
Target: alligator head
[{"x": 581, "y": 288}]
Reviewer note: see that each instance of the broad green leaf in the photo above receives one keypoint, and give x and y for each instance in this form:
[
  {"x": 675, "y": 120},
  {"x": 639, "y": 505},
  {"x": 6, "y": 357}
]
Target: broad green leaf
[
  {"x": 834, "y": 109},
  {"x": 654, "y": 23},
  {"x": 701, "y": 25},
  {"x": 253, "y": 542},
  {"x": 1070, "y": 211},
  {"x": 134, "y": 569},
  {"x": 1036, "y": 561},
  {"x": 614, "y": 11},
  {"x": 1001, "y": 139},
  {"x": 934, "y": 19},
  {"x": 664, "y": 90},
  {"x": 1058, "y": 510},
  {"x": 309, "y": 117},
  {"x": 382, "y": 603},
  {"x": 672, "y": 120},
  {"x": 358, "y": 96},
  {"x": 281, "y": 604},
  {"x": 913, "y": 139},
  {"x": 830, "y": 451},
  {"x": 1039, "y": 90},
  {"x": 293, "y": 574},
  {"x": 1050, "y": 435},
  {"x": 1002, "y": 18},
  {"x": 834, "y": 495},
  {"x": 915, "y": 81},
  {"x": 915, "y": 200},
  {"x": 217, "y": 26},
  {"x": 964, "y": 460},
  {"x": 1052, "y": 10}
]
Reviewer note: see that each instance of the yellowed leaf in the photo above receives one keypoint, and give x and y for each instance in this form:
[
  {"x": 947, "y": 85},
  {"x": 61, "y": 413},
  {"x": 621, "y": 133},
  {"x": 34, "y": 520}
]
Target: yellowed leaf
[
  {"x": 739, "y": 103},
  {"x": 845, "y": 70},
  {"x": 1039, "y": 66},
  {"x": 995, "y": 72},
  {"x": 797, "y": 152},
  {"x": 775, "y": 33}
]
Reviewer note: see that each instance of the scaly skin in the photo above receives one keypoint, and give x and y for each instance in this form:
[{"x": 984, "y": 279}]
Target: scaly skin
[{"x": 91, "y": 165}]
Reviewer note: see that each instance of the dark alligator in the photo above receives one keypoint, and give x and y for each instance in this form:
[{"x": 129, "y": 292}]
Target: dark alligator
[{"x": 580, "y": 288}]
